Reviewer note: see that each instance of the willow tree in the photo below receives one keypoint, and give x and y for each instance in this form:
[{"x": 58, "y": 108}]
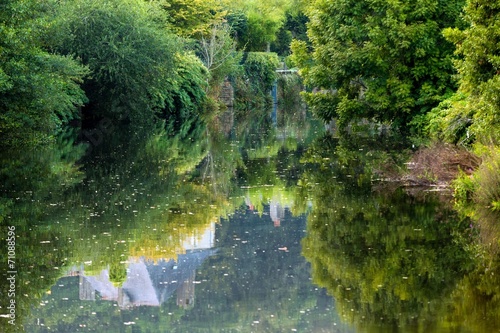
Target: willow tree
[{"x": 382, "y": 60}]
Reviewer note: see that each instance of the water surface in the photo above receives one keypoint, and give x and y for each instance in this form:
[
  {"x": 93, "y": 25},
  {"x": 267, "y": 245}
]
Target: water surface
[{"x": 249, "y": 224}]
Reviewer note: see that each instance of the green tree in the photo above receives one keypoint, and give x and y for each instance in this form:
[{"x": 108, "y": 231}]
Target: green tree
[
  {"x": 39, "y": 91},
  {"x": 190, "y": 18},
  {"x": 294, "y": 27},
  {"x": 259, "y": 76},
  {"x": 217, "y": 50},
  {"x": 260, "y": 22},
  {"x": 136, "y": 71},
  {"x": 384, "y": 60},
  {"x": 478, "y": 66}
]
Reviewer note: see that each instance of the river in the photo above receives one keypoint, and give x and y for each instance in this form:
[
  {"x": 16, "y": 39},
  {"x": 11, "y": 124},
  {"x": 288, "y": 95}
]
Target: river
[{"x": 250, "y": 224}]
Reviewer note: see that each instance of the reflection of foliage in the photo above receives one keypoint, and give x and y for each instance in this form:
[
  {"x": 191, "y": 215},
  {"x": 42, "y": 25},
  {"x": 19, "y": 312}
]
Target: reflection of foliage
[
  {"x": 33, "y": 184},
  {"x": 117, "y": 274},
  {"x": 478, "y": 196},
  {"x": 476, "y": 300},
  {"x": 136, "y": 202},
  {"x": 131, "y": 202},
  {"x": 271, "y": 161},
  {"x": 348, "y": 160},
  {"x": 218, "y": 168},
  {"x": 50, "y": 168},
  {"x": 140, "y": 199},
  {"x": 248, "y": 293},
  {"x": 251, "y": 291},
  {"x": 384, "y": 257},
  {"x": 65, "y": 312},
  {"x": 381, "y": 256}
]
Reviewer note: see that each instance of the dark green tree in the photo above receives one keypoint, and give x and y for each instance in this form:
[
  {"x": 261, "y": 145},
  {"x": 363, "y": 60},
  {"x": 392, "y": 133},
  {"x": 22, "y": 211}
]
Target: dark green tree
[
  {"x": 39, "y": 91},
  {"x": 294, "y": 27},
  {"x": 133, "y": 58},
  {"x": 380, "y": 60},
  {"x": 478, "y": 67}
]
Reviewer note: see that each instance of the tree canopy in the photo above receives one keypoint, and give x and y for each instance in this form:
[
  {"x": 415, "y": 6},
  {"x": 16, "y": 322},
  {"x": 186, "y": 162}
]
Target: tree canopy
[
  {"x": 478, "y": 66},
  {"x": 129, "y": 62},
  {"x": 380, "y": 60},
  {"x": 38, "y": 90}
]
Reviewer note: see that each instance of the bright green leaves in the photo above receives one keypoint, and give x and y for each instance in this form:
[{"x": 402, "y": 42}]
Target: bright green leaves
[
  {"x": 190, "y": 18},
  {"x": 478, "y": 66},
  {"x": 384, "y": 59},
  {"x": 39, "y": 91},
  {"x": 261, "y": 21},
  {"x": 130, "y": 54}
]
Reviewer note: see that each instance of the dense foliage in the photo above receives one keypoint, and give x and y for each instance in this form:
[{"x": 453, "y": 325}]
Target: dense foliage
[
  {"x": 116, "y": 62},
  {"x": 478, "y": 73},
  {"x": 259, "y": 75},
  {"x": 39, "y": 91},
  {"x": 429, "y": 68},
  {"x": 132, "y": 58},
  {"x": 379, "y": 60}
]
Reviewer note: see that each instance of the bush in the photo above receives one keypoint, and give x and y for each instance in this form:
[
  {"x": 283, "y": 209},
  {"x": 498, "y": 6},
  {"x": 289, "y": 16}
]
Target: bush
[
  {"x": 487, "y": 181},
  {"x": 260, "y": 68},
  {"x": 479, "y": 197},
  {"x": 39, "y": 91},
  {"x": 259, "y": 77},
  {"x": 450, "y": 121},
  {"x": 128, "y": 50},
  {"x": 186, "y": 98}
]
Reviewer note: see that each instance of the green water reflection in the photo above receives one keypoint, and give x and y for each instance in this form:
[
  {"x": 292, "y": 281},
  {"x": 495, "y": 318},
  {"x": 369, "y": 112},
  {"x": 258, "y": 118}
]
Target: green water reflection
[{"x": 243, "y": 225}]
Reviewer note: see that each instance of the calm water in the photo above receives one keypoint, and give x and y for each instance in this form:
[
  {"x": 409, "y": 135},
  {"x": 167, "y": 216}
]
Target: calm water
[{"x": 250, "y": 224}]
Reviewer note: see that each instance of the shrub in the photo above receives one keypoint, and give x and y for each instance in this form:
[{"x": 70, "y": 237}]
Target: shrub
[
  {"x": 259, "y": 75},
  {"x": 487, "y": 181},
  {"x": 260, "y": 69},
  {"x": 186, "y": 98},
  {"x": 39, "y": 91},
  {"x": 130, "y": 54},
  {"x": 479, "y": 197}
]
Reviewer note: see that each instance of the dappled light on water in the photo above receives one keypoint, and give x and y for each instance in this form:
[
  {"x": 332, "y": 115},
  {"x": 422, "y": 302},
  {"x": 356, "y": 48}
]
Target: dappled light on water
[{"x": 269, "y": 227}]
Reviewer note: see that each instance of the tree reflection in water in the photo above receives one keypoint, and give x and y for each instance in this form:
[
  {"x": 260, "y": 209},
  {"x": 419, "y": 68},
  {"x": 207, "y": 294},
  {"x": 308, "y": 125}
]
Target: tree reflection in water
[{"x": 391, "y": 260}]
